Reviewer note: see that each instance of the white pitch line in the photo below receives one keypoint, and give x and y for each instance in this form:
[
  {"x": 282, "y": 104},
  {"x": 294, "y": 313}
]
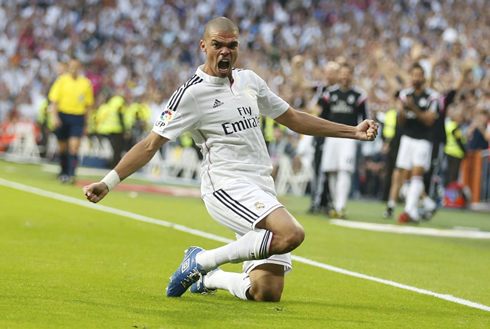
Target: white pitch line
[
  {"x": 412, "y": 230},
  {"x": 186, "y": 229}
]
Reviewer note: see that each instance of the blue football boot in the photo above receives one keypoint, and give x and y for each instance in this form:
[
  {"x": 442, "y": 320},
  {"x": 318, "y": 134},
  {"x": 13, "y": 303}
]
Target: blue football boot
[
  {"x": 200, "y": 288},
  {"x": 188, "y": 272}
]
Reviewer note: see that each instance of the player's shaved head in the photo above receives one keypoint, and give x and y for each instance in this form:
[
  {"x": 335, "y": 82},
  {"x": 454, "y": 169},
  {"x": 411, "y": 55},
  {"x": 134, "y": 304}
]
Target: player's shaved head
[
  {"x": 348, "y": 67},
  {"x": 220, "y": 43},
  {"x": 221, "y": 24},
  {"x": 332, "y": 66}
]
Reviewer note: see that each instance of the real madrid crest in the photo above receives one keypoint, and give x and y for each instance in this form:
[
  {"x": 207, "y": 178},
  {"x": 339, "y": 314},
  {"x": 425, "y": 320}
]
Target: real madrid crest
[{"x": 259, "y": 206}]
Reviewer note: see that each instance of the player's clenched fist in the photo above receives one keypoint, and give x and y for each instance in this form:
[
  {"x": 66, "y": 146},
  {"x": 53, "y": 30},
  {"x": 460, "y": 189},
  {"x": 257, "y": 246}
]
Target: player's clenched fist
[
  {"x": 95, "y": 191},
  {"x": 367, "y": 130}
]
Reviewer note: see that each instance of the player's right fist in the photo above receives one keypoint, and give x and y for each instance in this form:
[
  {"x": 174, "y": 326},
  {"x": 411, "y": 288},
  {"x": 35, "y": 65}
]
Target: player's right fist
[{"x": 95, "y": 191}]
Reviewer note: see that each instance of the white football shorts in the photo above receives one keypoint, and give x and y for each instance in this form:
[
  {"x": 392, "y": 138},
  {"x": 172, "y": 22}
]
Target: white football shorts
[
  {"x": 240, "y": 206},
  {"x": 339, "y": 154},
  {"x": 414, "y": 153}
]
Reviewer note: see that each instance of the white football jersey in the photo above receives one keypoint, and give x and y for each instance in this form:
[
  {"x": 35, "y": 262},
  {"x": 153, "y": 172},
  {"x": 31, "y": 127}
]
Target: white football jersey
[{"x": 224, "y": 121}]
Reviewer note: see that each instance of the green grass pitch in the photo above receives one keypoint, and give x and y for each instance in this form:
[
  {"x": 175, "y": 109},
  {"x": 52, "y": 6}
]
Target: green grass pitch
[{"x": 67, "y": 266}]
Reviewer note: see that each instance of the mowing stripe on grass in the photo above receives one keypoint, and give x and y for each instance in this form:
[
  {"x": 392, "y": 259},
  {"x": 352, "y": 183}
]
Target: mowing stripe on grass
[{"x": 210, "y": 236}]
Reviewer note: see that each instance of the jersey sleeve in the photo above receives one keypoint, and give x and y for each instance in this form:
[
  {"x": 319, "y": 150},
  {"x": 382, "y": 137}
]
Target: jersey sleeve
[
  {"x": 173, "y": 122},
  {"x": 433, "y": 102},
  {"x": 362, "y": 106},
  {"x": 402, "y": 96},
  {"x": 269, "y": 103},
  {"x": 54, "y": 92},
  {"x": 324, "y": 103}
]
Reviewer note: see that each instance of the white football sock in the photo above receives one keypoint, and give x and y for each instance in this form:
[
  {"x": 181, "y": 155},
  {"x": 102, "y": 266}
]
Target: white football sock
[
  {"x": 236, "y": 283},
  {"x": 402, "y": 194},
  {"x": 413, "y": 195},
  {"x": 391, "y": 204},
  {"x": 342, "y": 190},
  {"x": 253, "y": 245},
  {"x": 332, "y": 185},
  {"x": 429, "y": 204}
]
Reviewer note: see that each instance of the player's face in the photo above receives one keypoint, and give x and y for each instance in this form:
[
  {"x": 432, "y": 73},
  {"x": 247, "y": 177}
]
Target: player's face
[
  {"x": 221, "y": 50},
  {"x": 331, "y": 74},
  {"x": 345, "y": 77},
  {"x": 418, "y": 79},
  {"x": 74, "y": 67},
  {"x": 61, "y": 68}
]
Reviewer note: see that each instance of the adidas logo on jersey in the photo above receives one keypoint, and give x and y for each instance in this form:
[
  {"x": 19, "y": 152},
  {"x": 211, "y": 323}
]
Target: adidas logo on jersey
[{"x": 217, "y": 103}]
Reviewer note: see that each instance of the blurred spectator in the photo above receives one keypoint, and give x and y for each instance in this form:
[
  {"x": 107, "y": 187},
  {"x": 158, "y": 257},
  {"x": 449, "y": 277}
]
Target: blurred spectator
[
  {"x": 7, "y": 130},
  {"x": 110, "y": 123},
  {"x": 280, "y": 146},
  {"x": 477, "y": 131},
  {"x": 455, "y": 148}
]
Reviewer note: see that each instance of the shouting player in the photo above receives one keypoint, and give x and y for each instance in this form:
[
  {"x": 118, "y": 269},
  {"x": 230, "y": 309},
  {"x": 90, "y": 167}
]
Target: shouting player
[{"x": 220, "y": 107}]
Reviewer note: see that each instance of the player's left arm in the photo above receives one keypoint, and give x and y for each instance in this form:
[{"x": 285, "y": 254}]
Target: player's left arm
[
  {"x": 304, "y": 123},
  {"x": 427, "y": 117}
]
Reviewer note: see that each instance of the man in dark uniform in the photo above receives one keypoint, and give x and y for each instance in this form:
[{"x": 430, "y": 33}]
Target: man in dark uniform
[
  {"x": 438, "y": 133},
  {"x": 417, "y": 115},
  {"x": 342, "y": 103},
  {"x": 320, "y": 194}
]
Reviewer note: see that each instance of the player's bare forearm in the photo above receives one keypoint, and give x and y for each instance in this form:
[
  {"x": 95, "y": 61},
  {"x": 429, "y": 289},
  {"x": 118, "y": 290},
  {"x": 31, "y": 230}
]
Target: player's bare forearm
[
  {"x": 304, "y": 123},
  {"x": 139, "y": 155},
  {"x": 401, "y": 118},
  {"x": 427, "y": 118}
]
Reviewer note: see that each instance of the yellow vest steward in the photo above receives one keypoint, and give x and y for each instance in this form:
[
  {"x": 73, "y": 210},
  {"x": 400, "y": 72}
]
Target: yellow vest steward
[
  {"x": 269, "y": 128},
  {"x": 452, "y": 147},
  {"x": 72, "y": 95},
  {"x": 109, "y": 116},
  {"x": 44, "y": 117},
  {"x": 389, "y": 125},
  {"x": 136, "y": 110}
]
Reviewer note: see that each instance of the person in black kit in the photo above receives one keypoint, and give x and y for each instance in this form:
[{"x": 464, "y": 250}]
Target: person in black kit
[
  {"x": 438, "y": 135},
  {"x": 391, "y": 135},
  {"x": 417, "y": 115},
  {"x": 320, "y": 194},
  {"x": 342, "y": 103},
  {"x": 438, "y": 139}
]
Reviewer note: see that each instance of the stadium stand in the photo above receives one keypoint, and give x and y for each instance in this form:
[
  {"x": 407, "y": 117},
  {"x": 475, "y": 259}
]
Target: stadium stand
[{"x": 143, "y": 50}]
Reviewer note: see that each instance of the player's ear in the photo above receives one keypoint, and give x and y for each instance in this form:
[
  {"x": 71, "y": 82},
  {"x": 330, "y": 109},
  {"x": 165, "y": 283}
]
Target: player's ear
[{"x": 202, "y": 45}]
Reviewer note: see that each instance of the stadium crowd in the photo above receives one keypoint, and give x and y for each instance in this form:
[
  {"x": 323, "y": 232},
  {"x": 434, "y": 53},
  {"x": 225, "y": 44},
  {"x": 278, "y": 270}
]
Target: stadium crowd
[{"x": 136, "y": 53}]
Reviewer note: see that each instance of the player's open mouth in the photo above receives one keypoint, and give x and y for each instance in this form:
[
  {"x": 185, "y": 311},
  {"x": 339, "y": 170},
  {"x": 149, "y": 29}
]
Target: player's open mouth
[{"x": 223, "y": 65}]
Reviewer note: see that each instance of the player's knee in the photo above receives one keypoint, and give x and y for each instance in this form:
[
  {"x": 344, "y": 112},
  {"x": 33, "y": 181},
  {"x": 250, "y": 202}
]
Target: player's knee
[
  {"x": 267, "y": 295},
  {"x": 291, "y": 239},
  {"x": 297, "y": 237}
]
